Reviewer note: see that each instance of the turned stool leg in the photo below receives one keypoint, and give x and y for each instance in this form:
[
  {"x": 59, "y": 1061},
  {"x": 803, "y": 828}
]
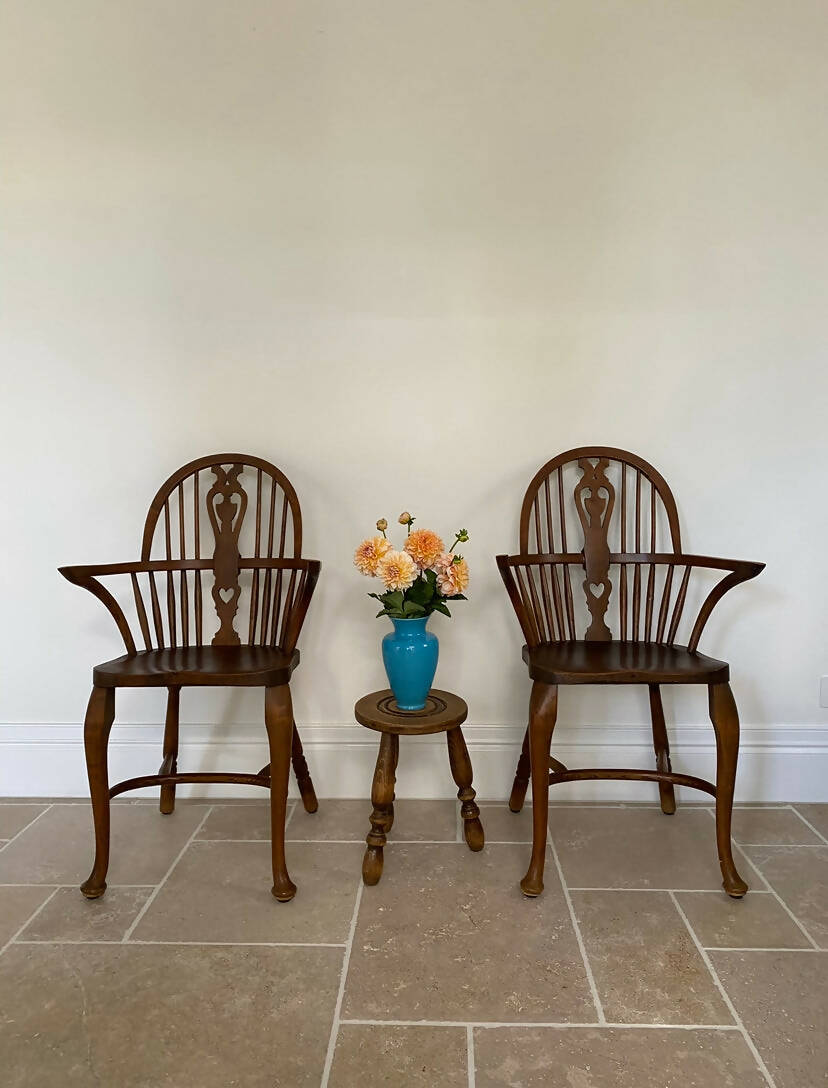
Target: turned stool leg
[
  {"x": 382, "y": 797},
  {"x": 521, "y": 782},
  {"x": 461, "y": 770}
]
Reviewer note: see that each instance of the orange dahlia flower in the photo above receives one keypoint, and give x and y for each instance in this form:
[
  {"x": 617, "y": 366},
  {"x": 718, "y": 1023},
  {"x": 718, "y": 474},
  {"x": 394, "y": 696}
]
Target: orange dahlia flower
[
  {"x": 397, "y": 569},
  {"x": 369, "y": 553},
  {"x": 454, "y": 578},
  {"x": 424, "y": 547}
]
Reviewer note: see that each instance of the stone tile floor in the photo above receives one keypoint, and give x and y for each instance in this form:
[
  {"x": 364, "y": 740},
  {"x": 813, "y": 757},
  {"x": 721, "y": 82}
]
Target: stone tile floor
[{"x": 633, "y": 970}]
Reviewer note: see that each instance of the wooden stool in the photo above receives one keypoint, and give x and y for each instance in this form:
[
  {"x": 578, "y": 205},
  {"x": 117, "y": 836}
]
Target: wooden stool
[{"x": 443, "y": 713}]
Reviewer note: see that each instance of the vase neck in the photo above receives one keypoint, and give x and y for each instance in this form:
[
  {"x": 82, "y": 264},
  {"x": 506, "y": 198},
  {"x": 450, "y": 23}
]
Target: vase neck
[{"x": 410, "y": 628}]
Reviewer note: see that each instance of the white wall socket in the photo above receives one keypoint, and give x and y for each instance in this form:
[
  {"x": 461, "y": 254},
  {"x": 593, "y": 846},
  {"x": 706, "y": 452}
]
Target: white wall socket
[{"x": 823, "y": 691}]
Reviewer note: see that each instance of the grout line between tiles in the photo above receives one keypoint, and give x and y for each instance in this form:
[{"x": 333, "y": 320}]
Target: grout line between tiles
[
  {"x": 470, "y": 1055},
  {"x": 731, "y": 1008},
  {"x": 746, "y": 948},
  {"x": 346, "y": 961},
  {"x": 29, "y": 920},
  {"x": 599, "y": 1008},
  {"x": 777, "y": 897},
  {"x": 8, "y": 842},
  {"x": 575, "y": 1024},
  {"x": 808, "y": 823},
  {"x": 152, "y": 896},
  {"x": 689, "y": 891},
  {"x": 203, "y": 944}
]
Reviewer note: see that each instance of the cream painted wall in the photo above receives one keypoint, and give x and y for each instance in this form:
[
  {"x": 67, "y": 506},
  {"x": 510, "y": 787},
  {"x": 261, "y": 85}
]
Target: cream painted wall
[{"x": 408, "y": 252}]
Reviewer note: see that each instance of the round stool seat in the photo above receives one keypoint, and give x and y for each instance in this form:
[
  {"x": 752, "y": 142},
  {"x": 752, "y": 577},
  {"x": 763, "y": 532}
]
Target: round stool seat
[{"x": 379, "y": 710}]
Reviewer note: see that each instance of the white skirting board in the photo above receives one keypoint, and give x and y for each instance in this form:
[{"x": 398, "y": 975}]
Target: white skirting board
[{"x": 784, "y": 763}]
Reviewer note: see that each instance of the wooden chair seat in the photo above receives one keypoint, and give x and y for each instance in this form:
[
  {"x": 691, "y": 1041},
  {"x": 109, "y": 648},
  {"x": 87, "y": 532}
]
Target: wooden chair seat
[
  {"x": 199, "y": 666},
  {"x": 622, "y": 663}
]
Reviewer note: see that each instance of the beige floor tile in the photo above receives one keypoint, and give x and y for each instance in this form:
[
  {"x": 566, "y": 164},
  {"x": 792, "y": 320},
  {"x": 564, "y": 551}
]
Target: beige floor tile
[
  {"x": 17, "y": 905},
  {"x": 501, "y": 825},
  {"x": 757, "y": 921},
  {"x": 220, "y": 891},
  {"x": 771, "y": 826},
  {"x": 377, "y": 1056},
  {"x": 60, "y": 846},
  {"x": 418, "y": 820},
  {"x": 816, "y": 815},
  {"x": 782, "y": 999},
  {"x": 70, "y": 917},
  {"x": 613, "y": 1058},
  {"x": 251, "y": 821},
  {"x": 13, "y": 818},
  {"x": 799, "y": 874},
  {"x": 636, "y": 848},
  {"x": 646, "y": 966},
  {"x": 137, "y": 1017},
  {"x": 447, "y": 934}
]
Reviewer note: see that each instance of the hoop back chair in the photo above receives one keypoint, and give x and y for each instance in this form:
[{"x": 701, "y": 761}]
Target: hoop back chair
[
  {"x": 205, "y": 561},
  {"x": 629, "y": 607}
]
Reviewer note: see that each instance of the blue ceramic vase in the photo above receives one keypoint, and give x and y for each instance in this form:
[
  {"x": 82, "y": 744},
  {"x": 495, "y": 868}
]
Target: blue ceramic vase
[{"x": 409, "y": 654}]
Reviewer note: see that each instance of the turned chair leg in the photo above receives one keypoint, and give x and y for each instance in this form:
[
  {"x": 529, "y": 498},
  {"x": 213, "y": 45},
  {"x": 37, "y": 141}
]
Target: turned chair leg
[
  {"x": 279, "y": 724},
  {"x": 382, "y": 798},
  {"x": 461, "y": 772},
  {"x": 169, "y": 764},
  {"x": 661, "y": 745},
  {"x": 521, "y": 782},
  {"x": 303, "y": 778},
  {"x": 100, "y": 715},
  {"x": 543, "y": 709},
  {"x": 725, "y": 718}
]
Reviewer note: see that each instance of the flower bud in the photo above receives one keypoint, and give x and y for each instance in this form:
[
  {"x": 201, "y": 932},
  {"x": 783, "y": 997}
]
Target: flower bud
[
  {"x": 382, "y": 525},
  {"x": 462, "y": 535},
  {"x": 405, "y": 518}
]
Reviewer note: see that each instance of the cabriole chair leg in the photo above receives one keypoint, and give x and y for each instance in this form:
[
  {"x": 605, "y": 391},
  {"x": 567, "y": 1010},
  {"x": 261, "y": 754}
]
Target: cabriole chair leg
[
  {"x": 100, "y": 715},
  {"x": 543, "y": 710},
  {"x": 725, "y": 719},
  {"x": 279, "y": 724}
]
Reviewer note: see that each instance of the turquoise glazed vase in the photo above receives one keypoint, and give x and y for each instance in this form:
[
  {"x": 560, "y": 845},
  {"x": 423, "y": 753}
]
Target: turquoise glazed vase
[{"x": 409, "y": 654}]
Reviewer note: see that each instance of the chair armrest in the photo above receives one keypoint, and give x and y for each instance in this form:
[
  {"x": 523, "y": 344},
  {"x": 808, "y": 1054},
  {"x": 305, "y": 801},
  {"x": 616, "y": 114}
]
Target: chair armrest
[
  {"x": 536, "y": 598},
  {"x": 87, "y": 577}
]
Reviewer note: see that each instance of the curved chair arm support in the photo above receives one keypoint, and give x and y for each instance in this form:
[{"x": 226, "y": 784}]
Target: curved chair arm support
[
  {"x": 87, "y": 578},
  {"x": 735, "y": 572}
]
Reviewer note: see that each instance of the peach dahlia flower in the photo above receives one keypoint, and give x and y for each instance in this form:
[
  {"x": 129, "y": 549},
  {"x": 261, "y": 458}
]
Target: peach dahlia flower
[
  {"x": 454, "y": 578},
  {"x": 369, "y": 553},
  {"x": 424, "y": 547},
  {"x": 397, "y": 570}
]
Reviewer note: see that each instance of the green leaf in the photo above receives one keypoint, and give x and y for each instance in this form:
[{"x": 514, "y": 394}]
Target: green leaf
[
  {"x": 439, "y": 606},
  {"x": 411, "y": 608},
  {"x": 457, "y": 597},
  {"x": 421, "y": 592},
  {"x": 393, "y": 600}
]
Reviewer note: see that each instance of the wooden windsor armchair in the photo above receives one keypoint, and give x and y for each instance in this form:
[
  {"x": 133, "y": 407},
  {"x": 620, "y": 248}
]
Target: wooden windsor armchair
[
  {"x": 614, "y": 505},
  {"x": 213, "y": 553}
]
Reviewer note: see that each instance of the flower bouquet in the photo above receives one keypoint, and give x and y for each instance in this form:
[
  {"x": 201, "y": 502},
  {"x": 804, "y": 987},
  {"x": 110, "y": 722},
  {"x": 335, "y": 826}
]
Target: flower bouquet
[{"x": 418, "y": 580}]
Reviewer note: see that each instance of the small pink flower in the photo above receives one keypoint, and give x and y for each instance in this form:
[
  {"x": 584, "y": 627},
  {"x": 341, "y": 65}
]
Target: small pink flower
[
  {"x": 424, "y": 547},
  {"x": 397, "y": 570},
  {"x": 369, "y": 553},
  {"x": 454, "y": 578}
]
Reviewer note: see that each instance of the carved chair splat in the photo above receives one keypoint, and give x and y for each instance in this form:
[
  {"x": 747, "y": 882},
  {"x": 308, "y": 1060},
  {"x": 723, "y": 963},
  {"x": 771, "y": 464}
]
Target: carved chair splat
[
  {"x": 628, "y": 608},
  {"x": 229, "y": 524}
]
